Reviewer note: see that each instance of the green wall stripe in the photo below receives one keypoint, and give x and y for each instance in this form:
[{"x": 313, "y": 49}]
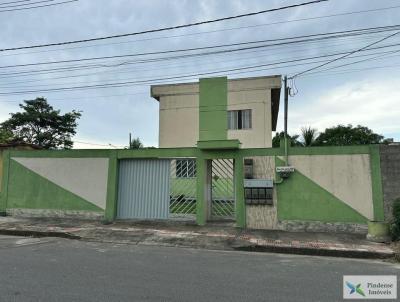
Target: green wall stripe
[
  {"x": 239, "y": 193},
  {"x": 112, "y": 188},
  {"x": 376, "y": 178},
  {"x": 201, "y": 203},
  {"x": 299, "y": 198},
  {"x": 213, "y": 102},
  {"x": 29, "y": 190},
  {"x": 5, "y": 181}
]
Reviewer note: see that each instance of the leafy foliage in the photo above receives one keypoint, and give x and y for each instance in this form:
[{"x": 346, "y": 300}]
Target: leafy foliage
[
  {"x": 135, "y": 144},
  {"x": 348, "y": 135},
  {"x": 308, "y": 135},
  {"x": 294, "y": 140},
  {"x": 395, "y": 227},
  {"x": 6, "y": 136},
  {"x": 40, "y": 124}
]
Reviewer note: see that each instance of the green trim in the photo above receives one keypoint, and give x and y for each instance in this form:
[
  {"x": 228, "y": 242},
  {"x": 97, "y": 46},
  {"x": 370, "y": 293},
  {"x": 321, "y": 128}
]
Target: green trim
[
  {"x": 201, "y": 204},
  {"x": 376, "y": 179},
  {"x": 213, "y": 115},
  {"x": 29, "y": 190},
  {"x": 260, "y": 152},
  {"x": 219, "y": 144},
  {"x": 112, "y": 188},
  {"x": 329, "y": 150},
  {"x": 239, "y": 192},
  {"x": 157, "y": 153},
  {"x": 299, "y": 198},
  {"x": 61, "y": 153},
  {"x": 5, "y": 181}
]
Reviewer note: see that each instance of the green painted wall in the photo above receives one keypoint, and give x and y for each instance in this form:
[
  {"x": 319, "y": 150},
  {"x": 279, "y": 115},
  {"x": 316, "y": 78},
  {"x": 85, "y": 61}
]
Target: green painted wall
[
  {"x": 376, "y": 177},
  {"x": 28, "y": 190},
  {"x": 213, "y": 100},
  {"x": 299, "y": 198}
]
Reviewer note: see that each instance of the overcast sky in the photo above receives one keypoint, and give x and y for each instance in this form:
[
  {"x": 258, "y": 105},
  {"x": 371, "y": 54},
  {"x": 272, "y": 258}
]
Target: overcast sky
[{"x": 357, "y": 94}]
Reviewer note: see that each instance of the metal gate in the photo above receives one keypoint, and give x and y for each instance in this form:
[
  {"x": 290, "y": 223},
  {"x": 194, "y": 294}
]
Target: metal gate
[
  {"x": 143, "y": 191},
  {"x": 223, "y": 189},
  {"x": 183, "y": 188}
]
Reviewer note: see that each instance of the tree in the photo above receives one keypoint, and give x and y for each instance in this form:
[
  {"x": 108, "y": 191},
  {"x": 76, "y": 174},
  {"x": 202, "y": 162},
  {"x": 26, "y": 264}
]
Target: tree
[
  {"x": 135, "y": 143},
  {"x": 40, "y": 124},
  {"x": 308, "y": 135},
  {"x": 348, "y": 135},
  {"x": 6, "y": 136},
  {"x": 294, "y": 140}
]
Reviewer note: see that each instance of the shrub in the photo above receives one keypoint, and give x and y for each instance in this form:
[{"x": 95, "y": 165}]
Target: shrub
[{"x": 395, "y": 227}]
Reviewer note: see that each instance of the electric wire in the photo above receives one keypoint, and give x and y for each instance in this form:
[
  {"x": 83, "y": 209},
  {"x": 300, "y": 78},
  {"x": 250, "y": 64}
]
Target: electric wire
[
  {"x": 346, "y": 55},
  {"x": 208, "y": 32},
  {"x": 38, "y": 6},
  {"x": 164, "y": 28}
]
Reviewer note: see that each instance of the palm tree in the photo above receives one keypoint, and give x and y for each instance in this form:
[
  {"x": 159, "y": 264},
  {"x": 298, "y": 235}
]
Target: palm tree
[{"x": 308, "y": 136}]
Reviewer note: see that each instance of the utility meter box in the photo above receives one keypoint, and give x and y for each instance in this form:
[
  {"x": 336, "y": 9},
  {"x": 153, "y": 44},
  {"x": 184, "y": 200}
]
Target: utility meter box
[
  {"x": 258, "y": 191},
  {"x": 248, "y": 168}
]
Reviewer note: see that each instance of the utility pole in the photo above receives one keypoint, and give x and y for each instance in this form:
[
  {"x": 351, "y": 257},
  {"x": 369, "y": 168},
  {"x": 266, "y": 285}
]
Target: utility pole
[
  {"x": 286, "y": 93},
  {"x": 130, "y": 140}
]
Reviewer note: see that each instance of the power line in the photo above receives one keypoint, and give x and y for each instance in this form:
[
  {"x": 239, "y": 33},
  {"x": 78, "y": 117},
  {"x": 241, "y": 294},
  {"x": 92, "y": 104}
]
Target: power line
[
  {"x": 165, "y": 28},
  {"x": 84, "y": 98},
  {"x": 24, "y": 4},
  {"x": 211, "y": 31},
  {"x": 346, "y": 71},
  {"x": 381, "y": 56},
  {"x": 147, "y": 81},
  {"x": 80, "y": 67},
  {"x": 95, "y": 144},
  {"x": 263, "y": 65},
  {"x": 303, "y": 39},
  {"x": 346, "y": 55},
  {"x": 159, "y": 67},
  {"x": 38, "y": 6},
  {"x": 11, "y": 2}
]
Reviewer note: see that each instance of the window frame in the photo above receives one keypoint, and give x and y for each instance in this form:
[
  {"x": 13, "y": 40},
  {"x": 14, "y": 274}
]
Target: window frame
[{"x": 240, "y": 119}]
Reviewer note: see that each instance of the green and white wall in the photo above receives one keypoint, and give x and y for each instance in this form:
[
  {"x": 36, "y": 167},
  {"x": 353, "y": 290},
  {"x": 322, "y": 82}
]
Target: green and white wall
[
  {"x": 50, "y": 183},
  {"x": 332, "y": 189}
]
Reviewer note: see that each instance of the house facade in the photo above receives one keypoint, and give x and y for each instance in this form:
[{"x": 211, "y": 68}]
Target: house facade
[
  {"x": 244, "y": 109},
  {"x": 215, "y": 162}
]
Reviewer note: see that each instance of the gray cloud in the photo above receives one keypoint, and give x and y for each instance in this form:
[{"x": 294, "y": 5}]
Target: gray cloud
[{"x": 110, "y": 118}]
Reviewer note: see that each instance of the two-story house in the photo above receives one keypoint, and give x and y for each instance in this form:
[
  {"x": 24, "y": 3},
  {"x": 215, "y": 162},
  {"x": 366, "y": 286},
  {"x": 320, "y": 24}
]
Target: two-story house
[{"x": 218, "y": 109}]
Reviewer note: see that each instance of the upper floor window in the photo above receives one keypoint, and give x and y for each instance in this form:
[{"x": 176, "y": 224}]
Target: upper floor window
[{"x": 239, "y": 119}]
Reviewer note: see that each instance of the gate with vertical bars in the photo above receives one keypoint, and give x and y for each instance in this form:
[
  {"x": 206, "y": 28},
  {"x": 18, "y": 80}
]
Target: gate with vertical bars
[
  {"x": 183, "y": 188},
  {"x": 223, "y": 189}
]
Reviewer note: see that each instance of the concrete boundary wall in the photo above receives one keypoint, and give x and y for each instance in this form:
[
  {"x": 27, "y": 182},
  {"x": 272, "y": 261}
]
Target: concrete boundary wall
[
  {"x": 390, "y": 170},
  {"x": 309, "y": 199}
]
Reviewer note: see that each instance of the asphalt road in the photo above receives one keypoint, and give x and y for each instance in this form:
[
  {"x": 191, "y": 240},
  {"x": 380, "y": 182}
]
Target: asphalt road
[{"x": 51, "y": 269}]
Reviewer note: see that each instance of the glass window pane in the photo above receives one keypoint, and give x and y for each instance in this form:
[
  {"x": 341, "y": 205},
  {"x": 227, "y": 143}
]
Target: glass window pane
[
  {"x": 230, "y": 119},
  {"x": 246, "y": 119}
]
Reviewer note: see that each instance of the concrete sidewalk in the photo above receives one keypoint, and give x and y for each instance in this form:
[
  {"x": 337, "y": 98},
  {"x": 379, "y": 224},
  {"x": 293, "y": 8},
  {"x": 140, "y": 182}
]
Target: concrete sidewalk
[{"x": 215, "y": 236}]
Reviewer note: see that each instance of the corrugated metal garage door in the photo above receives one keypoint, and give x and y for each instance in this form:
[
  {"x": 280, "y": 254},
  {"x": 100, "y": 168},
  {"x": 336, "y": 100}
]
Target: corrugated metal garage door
[{"x": 143, "y": 189}]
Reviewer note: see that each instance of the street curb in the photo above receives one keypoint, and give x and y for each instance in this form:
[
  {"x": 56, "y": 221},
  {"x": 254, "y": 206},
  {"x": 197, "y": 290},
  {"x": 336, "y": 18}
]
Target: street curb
[
  {"x": 361, "y": 254},
  {"x": 38, "y": 234},
  {"x": 315, "y": 252}
]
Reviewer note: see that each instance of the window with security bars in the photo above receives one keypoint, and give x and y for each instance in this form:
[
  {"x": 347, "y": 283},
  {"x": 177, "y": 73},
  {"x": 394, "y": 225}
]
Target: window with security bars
[
  {"x": 239, "y": 119},
  {"x": 185, "y": 168}
]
